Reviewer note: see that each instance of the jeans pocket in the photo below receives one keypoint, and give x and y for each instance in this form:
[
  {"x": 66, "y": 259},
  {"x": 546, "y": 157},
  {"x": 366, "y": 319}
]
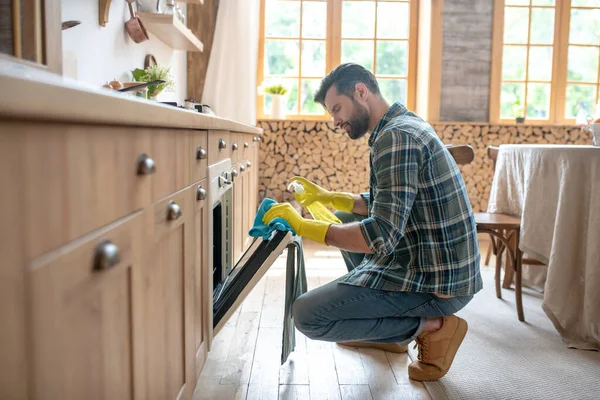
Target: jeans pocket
[{"x": 427, "y": 309}]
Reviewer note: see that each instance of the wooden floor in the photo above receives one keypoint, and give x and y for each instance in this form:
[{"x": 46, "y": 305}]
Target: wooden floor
[{"x": 244, "y": 360}]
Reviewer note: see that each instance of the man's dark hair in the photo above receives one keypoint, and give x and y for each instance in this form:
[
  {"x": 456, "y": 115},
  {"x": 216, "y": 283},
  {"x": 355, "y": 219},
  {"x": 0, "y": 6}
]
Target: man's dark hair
[{"x": 344, "y": 78}]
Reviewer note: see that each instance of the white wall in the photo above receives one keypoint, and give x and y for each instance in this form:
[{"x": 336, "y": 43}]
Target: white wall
[{"x": 94, "y": 54}]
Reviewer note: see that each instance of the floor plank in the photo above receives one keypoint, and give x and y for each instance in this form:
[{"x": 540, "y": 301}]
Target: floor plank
[
  {"x": 238, "y": 366},
  {"x": 356, "y": 392},
  {"x": 294, "y": 392},
  {"x": 295, "y": 369}
]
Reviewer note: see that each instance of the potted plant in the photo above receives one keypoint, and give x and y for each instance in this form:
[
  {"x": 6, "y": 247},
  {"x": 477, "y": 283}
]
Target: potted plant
[
  {"x": 518, "y": 112},
  {"x": 152, "y": 73},
  {"x": 277, "y": 93}
]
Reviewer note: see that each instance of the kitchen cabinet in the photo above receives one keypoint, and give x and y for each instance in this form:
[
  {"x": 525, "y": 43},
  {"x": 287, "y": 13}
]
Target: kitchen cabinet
[
  {"x": 167, "y": 298},
  {"x": 85, "y": 308},
  {"x": 30, "y": 33},
  {"x": 106, "y": 284},
  {"x": 202, "y": 286}
]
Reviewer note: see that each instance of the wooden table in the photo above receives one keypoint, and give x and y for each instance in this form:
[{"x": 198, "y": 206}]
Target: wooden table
[{"x": 555, "y": 189}]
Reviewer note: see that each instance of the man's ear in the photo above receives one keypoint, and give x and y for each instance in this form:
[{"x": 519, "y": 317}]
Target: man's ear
[{"x": 361, "y": 91}]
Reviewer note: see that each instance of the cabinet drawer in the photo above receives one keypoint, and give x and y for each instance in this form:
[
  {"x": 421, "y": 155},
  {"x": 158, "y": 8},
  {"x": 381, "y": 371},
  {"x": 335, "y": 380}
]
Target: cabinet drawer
[
  {"x": 170, "y": 150},
  {"x": 219, "y": 146},
  {"x": 198, "y": 155},
  {"x": 78, "y": 178},
  {"x": 84, "y": 313}
]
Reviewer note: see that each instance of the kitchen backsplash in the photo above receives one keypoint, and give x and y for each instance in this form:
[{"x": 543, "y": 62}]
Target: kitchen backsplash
[
  {"x": 318, "y": 152},
  {"x": 94, "y": 54}
]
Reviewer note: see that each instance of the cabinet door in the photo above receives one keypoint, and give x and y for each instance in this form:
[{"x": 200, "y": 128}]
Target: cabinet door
[
  {"x": 202, "y": 283},
  {"x": 84, "y": 314},
  {"x": 31, "y": 31},
  {"x": 167, "y": 298}
]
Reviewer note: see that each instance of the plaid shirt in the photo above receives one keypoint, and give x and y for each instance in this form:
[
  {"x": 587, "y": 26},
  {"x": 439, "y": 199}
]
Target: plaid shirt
[{"x": 420, "y": 226}]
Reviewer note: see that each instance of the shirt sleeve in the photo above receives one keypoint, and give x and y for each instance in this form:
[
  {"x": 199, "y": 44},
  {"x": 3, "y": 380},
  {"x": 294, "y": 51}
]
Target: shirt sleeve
[
  {"x": 367, "y": 198},
  {"x": 397, "y": 160}
]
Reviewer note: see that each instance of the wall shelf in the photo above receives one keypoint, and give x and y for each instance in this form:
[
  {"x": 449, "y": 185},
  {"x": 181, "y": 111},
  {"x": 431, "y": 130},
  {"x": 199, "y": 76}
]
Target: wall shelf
[{"x": 171, "y": 31}]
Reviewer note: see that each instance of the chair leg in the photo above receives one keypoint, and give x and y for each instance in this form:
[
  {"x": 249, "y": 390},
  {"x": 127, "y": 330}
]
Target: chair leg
[
  {"x": 518, "y": 271},
  {"x": 488, "y": 254},
  {"x": 499, "y": 251}
]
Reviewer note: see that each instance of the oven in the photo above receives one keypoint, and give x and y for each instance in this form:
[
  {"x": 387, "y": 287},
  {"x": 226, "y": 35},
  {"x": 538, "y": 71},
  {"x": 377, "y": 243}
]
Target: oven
[{"x": 232, "y": 282}]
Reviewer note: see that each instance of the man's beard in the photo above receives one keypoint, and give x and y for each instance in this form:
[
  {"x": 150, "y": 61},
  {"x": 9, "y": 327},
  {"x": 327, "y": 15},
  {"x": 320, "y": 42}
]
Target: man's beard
[{"x": 359, "y": 122}]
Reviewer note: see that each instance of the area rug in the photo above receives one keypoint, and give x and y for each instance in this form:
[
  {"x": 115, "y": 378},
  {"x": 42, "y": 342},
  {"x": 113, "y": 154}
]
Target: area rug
[{"x": 502, "y": 358}]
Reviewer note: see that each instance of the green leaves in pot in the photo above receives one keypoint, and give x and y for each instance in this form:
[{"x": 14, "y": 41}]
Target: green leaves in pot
[{"x": 152, "y": 73}]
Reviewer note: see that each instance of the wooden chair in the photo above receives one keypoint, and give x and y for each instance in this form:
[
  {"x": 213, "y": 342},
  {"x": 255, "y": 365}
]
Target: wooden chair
[{"x": 505, "y": 230}]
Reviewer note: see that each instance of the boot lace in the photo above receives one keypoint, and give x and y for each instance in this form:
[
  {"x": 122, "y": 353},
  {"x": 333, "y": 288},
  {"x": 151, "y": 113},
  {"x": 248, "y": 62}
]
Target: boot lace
[{"x": 423, "y": 342}]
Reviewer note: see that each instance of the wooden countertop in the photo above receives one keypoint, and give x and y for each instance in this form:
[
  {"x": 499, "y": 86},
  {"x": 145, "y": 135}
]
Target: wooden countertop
[{"x": 33, "y": 94}]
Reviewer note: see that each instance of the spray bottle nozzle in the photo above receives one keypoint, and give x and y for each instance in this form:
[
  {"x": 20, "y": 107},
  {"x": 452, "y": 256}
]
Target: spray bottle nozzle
[{"x": 298, "y": 188}]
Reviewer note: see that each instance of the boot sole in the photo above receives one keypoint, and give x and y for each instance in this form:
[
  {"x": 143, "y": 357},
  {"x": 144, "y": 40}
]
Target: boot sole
[
  {"x": 457, "y": 339},
  {"x": 389, "y": 347}
]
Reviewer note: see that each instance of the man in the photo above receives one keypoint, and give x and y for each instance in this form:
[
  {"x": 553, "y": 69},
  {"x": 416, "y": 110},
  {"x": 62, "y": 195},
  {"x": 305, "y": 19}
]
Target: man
[{"x": 410, "y": 244}]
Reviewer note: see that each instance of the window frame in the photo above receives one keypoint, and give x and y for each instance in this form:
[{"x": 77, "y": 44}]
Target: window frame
[
  {"x": 333, "y": 53},
  {"x": 560, "y": 52}
]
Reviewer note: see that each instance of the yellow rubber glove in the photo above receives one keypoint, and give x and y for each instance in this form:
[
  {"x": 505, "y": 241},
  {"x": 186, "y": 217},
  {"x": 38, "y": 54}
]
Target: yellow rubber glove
[
  {"x": 311, "y": 229},
  {"x": 313, "y": 192}
]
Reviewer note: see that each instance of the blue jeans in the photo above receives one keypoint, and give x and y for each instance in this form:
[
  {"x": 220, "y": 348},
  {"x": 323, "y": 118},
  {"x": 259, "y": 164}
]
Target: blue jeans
[{"x": 339, "y": 312}]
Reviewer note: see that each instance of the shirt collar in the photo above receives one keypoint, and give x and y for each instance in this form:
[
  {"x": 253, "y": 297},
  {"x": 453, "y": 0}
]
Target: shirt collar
[{"x": 395, "y": 110}]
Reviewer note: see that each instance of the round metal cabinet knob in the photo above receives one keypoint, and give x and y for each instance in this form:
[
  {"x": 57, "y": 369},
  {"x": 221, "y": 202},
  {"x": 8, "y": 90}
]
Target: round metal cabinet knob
[
  {"x": 146, "y": 165},
  {"x": 173, "y": 211},
  {"x": 222, "y": 144},
  {"x": 200, "y": 193},
  {"x": 234, "y": 146},
  {"x": 200, "y": 154},
  {"x": 107, "y": 256}
]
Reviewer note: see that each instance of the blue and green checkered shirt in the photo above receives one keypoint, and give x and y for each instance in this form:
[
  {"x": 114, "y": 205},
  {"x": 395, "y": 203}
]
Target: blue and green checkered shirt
[{"x": 420, "y": 226}]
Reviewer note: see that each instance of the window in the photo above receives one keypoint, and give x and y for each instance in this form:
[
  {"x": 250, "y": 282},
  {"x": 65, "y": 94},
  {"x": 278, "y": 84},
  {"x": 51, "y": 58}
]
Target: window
[
  {"x": 302, "y": 40},
  {"x": 546, "y": 60}
]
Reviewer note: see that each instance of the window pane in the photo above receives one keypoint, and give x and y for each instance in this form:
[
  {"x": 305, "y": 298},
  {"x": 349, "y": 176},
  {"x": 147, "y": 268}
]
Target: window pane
[
  {"x": 314, "y": 20},
  {"x": 393, "y": 90},
  {"x": 542, "y": 2},
  {"x": 540, "y": 63},
  {"x": 516, "y": 23},
  {"x": 282, "y": 18},
  {"x": 542, "y": 26},
  {"x": 585, "y": 3},
  {"x": 358, "y": 51},
  {"x": 585, "y": 27},
  {"x": 281, "y": 57},
  {"x": 291, "y": 95},
  {"x": 538, "y": 101},
  {"x": 512, "y": 100},
  {"x": 514, "y": 59},
  {"x": 517, "y": 2},
  {"x": 393, "y": 20},
  {"x": 309, "y": 88},
  {"x": 577, "y": 93},
  {"x": 358, "y": 19},
  {"x": 392, "y": 58},
  {"x": 313, "y": 58},
  {"x": 583, "y": 64}
]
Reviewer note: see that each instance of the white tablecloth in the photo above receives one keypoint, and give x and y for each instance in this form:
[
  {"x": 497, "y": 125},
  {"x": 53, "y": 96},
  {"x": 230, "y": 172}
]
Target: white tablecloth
[{"x": 555, "y": 189}]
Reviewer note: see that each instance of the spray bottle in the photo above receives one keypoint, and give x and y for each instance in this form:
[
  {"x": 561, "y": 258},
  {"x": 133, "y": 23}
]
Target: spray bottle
[{"x": 316, "y": 208}]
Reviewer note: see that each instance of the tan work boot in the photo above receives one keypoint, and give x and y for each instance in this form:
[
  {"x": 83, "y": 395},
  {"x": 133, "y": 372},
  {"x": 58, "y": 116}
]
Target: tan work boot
[
  {"x": 390, "y": 347},
  {"x": 437, "y": 350}
]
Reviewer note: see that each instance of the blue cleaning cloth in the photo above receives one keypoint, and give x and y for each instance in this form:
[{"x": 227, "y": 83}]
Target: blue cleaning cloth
[{"x": 260, "y": 229}]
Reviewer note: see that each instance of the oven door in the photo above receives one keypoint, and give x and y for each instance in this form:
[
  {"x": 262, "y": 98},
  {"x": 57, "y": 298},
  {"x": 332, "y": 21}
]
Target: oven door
[{"x": 250, "y": 268}]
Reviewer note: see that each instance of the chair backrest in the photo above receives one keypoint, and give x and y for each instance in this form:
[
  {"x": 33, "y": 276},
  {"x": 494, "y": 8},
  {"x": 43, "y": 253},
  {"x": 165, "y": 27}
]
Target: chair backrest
[
  {"x": 492, "y": 152},
  {"x": 462, "y": 153}
]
